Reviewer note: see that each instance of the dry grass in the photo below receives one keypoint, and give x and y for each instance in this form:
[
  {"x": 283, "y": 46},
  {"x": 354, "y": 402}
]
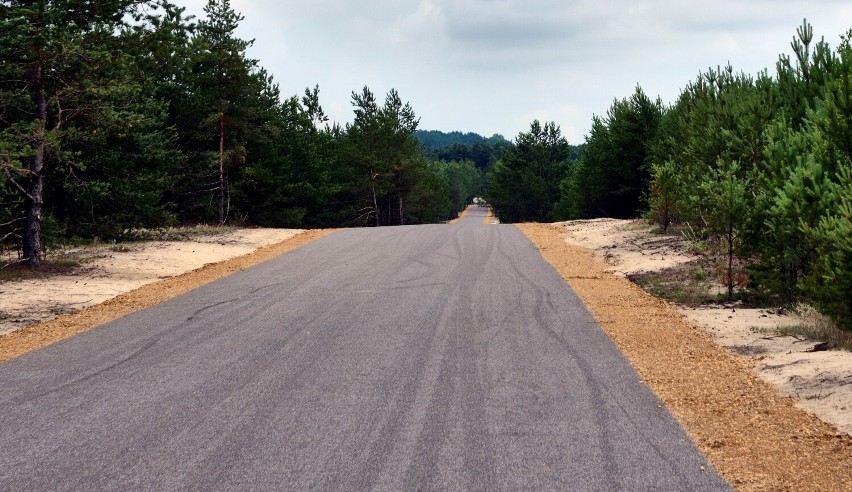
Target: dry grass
[
  {"x": 56, "y": 265},
  {"x": 817, "y": 327},
  {"x": 178, "y": 233}
]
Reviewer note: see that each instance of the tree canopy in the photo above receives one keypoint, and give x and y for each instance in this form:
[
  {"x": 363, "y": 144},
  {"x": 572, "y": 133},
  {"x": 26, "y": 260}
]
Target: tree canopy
[
  {"x": 524, "y": 184},
  {"x": 120, "y": 115}
]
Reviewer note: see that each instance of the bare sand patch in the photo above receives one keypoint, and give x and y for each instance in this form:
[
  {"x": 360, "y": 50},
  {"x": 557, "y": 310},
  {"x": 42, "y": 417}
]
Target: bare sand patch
[
  {"x": 820, "y": 381},
  {"x": 110, "y": 270},
  {"x": 627, "y": 246},
  {"x": 116, "y": 283},
  {"x": 755, "y": 437}
]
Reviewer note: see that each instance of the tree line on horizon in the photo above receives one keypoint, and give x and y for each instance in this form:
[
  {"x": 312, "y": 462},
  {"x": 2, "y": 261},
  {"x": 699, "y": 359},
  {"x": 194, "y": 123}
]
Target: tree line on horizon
[
  {"x": 126, "y": 114},
  {"x": 760, "y": 166}
]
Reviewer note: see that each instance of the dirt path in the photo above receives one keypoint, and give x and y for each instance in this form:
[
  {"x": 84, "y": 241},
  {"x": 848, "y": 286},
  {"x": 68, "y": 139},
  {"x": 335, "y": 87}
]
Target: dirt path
[
  {"x": 117, "y": 280},
  {"x": 756, "y": 438}
]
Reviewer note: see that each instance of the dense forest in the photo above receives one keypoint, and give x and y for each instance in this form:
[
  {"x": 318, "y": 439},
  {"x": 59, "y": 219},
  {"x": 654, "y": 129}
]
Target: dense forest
[
  {"x": 758, "y": 166},
  {"x": 125, "y": 114}
]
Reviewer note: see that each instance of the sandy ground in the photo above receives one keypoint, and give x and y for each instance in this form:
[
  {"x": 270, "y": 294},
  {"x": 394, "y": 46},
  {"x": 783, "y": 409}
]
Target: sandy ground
[
  {"x": 626, "y": 246},
  {"x": 821, "y": 382},
  {"x": 154, "y": 288},
  {"x": 109, "y": 271},
  {"x": 754, "y": 436}
]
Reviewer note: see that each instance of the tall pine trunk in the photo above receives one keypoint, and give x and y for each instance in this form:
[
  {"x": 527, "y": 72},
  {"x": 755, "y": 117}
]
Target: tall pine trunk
[
  {"x": 375, "y": 197},
  {"x": 222, "y": 169},
  {"x": 35, "y": 190}
]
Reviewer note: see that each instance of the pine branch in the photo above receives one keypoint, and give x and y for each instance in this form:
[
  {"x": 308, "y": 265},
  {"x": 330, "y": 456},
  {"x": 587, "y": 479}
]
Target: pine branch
[
  {"x": 16, "y": 185},
  {"x": 11, "y": 222}
]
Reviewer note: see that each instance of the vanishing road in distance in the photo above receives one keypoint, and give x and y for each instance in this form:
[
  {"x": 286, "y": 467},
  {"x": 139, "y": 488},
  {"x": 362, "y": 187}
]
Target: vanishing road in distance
[{"x": 440, "y": 357}]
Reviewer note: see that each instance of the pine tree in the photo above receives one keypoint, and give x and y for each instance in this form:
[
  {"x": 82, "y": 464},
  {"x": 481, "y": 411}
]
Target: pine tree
[
  {"x": 54, "y": 54},
  {"x": 724, "y": 193},
  {"x": 613, "y": 174},
  {"x": 380, "y": 146},
  {"x": 219, "y": 114},
  {"x": 524, "y": 184}
]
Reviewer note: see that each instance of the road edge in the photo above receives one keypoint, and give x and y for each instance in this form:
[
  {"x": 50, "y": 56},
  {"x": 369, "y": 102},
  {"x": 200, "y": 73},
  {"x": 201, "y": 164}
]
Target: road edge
[
  {"x": 42, "y": 334},
  {"x": 755, "y": 437}
]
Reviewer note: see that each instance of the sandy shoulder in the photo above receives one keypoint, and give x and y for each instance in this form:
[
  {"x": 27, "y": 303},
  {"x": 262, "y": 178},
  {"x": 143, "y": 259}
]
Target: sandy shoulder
[
  {"x": 820, "y": 382},
  {"x": 108, "y": 272},
  {"x": 755, "y": 437}
]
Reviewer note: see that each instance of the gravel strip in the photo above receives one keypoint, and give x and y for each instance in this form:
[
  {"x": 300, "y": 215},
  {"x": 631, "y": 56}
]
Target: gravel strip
[{"x": 755, "y": 437}]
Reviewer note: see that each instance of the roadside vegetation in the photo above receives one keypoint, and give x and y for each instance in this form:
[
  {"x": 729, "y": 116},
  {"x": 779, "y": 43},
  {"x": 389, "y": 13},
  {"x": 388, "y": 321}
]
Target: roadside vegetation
[
  {"x": 755, "y": 168},
  {"x": 125, "y": 116},
  {"x": 815, "y": 326},
  {"x": 13, "y": 271}
]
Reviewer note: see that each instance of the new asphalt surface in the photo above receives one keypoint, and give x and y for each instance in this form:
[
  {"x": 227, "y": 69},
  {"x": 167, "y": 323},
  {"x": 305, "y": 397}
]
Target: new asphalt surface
[{"x": 445, "y": 357}]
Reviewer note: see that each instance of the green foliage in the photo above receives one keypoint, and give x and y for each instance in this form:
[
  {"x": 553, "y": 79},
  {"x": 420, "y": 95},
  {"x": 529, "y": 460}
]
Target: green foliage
[
  {"x": 524, "y": 184},
  {"x": 380, "y": 147},
  {"x": 457, "y": 146},
  {"x": 771, "y": 157},
  {"x": 224, "y": 105},
  {"x": 465, "y": 181},
  {"x": 724, "y": 201},
  {"x": 612, "y": 175},
  {"x": 830, "y": 282},
  {"x": 72, "y": 111},
  {"x": 666, "y": 195},
  {"x": 429, "y": 201},
  {"x": 433, "y": 140}
]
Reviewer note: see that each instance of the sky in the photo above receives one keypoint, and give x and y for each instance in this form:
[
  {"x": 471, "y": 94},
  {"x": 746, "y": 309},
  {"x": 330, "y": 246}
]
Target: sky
[{"x": 493, "y": 66}]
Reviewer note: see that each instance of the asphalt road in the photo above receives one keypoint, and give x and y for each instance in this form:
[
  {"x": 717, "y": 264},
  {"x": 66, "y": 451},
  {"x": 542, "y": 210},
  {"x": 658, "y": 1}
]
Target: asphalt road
[{"x": 441, "y": 357}]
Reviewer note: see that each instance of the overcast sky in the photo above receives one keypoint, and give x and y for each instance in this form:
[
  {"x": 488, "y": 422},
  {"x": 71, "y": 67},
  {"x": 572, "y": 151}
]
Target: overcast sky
[{"x": 492, "y": 66}]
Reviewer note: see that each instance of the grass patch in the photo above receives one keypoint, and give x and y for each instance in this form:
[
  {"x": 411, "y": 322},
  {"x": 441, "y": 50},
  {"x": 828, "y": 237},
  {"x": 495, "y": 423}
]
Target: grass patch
[
  {"x": 815, "y": 327},
  {"x": 689, "y": 284}
]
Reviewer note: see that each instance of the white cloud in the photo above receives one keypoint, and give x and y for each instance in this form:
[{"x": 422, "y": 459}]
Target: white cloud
[{"x": 490, "y": 66}]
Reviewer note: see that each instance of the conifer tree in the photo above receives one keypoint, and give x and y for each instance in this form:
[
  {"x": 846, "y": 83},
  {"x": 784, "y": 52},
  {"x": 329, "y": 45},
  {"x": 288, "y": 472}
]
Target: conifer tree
[
  {"x": 724, "y": 195},
  {"x": 524, "y": 184},
  {"x": 54, "y": 54},
  {"x": 218, "y": 116},
  {"x": 380, "y": 146}
]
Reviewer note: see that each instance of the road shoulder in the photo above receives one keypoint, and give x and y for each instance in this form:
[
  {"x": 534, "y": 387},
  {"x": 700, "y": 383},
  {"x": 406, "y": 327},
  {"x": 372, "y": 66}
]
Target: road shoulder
[
  {"x": 38, "y": 335},
  {"x": 756, "y": 438}
]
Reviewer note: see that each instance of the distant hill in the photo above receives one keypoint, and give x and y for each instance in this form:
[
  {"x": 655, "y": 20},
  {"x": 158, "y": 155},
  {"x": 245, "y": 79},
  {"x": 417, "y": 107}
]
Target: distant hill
[
  {"x": 433, "y": 140},
  {"x": 458, "y": 146}
]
